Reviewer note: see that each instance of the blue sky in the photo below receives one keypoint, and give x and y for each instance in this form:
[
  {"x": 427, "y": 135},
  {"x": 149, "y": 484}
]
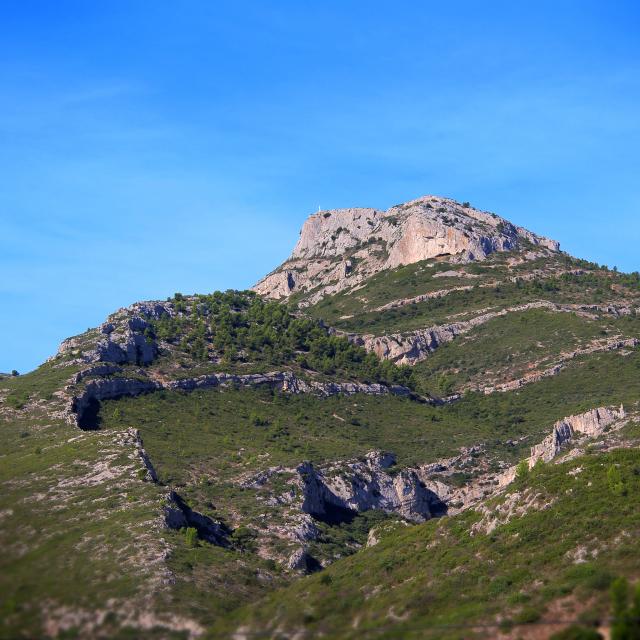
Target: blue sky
[{"x": 148, "y": 147}]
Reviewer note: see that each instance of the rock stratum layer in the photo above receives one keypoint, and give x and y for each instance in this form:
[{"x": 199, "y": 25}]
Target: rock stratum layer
[{"x": 340, "y": 248}]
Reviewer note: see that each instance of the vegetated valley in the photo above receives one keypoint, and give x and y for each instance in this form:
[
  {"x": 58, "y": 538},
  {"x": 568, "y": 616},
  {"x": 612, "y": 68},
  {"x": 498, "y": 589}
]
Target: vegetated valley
[{"x": 423, "y": 424}]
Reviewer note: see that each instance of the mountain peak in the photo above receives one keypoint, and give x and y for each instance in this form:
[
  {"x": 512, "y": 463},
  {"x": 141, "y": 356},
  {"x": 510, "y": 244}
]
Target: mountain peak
[{"x": 339, "y": 248}]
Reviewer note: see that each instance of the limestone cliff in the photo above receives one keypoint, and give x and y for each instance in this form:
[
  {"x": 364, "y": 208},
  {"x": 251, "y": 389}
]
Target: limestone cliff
[
  {"x": 366, "y": 484},
  {"x": 341, "y": 248}
]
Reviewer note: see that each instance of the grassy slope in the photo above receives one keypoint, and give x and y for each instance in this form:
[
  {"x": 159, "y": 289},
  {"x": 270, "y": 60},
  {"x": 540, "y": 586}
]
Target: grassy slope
[
  {"x": 505, "y": 348},
  {"x": 81, "y": 534},
  {"x": 419, "y": 580},
  {"x": 355, "y": 309},
  {"x": 203, "y": 442},
  {"x": 65, "y": 538}
]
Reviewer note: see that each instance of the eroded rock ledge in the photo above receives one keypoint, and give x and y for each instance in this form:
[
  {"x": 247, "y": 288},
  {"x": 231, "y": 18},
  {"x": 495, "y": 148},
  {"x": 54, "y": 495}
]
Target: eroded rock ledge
[
  {"x": 535, "y": 376},
  {"x": 83, "y": 406},
  {"x": 414, "y": 346}
]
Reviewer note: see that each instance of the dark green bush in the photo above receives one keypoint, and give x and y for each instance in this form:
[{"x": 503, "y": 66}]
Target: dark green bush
[
  {"x": 576, "y": 632},
  {"x": 242, "y": 326},
  {"x": 191, "y": 537}
]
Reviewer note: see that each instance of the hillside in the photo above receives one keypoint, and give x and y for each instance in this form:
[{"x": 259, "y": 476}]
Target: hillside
[{"x": 425, "y": 421}]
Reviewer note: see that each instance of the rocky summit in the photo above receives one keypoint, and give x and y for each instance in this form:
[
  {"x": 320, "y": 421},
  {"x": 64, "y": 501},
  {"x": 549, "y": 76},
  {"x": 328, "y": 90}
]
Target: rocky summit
[
  {"x": 343, "y": 247},
  {"x": 423, "y": 424}
]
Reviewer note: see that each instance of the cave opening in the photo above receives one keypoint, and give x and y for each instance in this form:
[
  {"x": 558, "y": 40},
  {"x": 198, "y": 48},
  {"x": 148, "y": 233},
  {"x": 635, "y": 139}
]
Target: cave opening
[
  {"x": 89, "y": 419},
  {"x": 333, "y": 514}
]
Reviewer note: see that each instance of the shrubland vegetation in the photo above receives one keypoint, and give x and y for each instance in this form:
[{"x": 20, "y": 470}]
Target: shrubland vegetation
[
  {"x": 187, "y": 432},
  {"x": 435, "y": 579},
  {"x": 240, "y": 327}
]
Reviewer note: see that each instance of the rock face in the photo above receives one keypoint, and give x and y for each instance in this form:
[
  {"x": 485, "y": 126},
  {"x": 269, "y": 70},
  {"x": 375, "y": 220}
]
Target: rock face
[
  {"x": 129, "y": 341},
  {"x": 178, "y": 515},
  {"x": 340, "y": 248},
  {"x": 590, "y": 424},
  {"x": 301, "y": 560},
  {"x": 144, "y": 456},
  {"x": 335, "y": 493}
]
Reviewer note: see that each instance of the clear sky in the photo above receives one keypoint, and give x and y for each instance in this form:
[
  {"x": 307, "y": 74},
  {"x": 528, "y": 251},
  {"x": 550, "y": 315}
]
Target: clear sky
[{"x": 148, "y": 147}]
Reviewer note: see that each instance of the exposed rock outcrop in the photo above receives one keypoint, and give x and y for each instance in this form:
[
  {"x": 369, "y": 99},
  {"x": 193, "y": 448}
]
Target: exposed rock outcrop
[
  {"x": 130, "y": 437},
  {"x": 144, "y": 456},
  {"x": 178, "y": 515},
  {"x": 590, "y": 424},
  {"x": 302, "y": 560},
  {"x": 335, "y": 493},
  {"x": 487, "y": 483},
  {"x": 126, "y": 340},
  {"x": 341, "y": 248}
]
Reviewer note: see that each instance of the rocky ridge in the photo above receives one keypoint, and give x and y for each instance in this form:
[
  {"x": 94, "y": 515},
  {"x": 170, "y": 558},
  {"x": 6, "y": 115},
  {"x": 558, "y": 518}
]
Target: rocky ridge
[
  {"x": 569, "y": 430},
  {"x": 335, "y": 492},
  {"x": 341, "y": 248},
  {"x": 288, "y": 512},
  {"x": 590, "y": 424},
  {"x": 82, "y": 402}
]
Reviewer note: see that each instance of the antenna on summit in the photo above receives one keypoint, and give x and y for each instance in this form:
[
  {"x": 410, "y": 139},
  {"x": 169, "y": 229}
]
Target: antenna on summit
[{"x": 319, "y": 209}]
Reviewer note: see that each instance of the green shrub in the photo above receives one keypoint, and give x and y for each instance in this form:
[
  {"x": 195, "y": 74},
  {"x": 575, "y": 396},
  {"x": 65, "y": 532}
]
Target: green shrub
[
  {"x": 576, "y": 632},
  {"x": 616, "y": 481},
  {"x": 625, "y": 624},
  {"x": 17, "y": 399},
  {"x": 527, "y": 615},
  {"x": 522, "y": 470},
  {"x": 257, "y": 420},
  {"x": 244, "y": 538},
  {"x": 191, "y": 537},
  {"x": 241, "y": 326}
]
